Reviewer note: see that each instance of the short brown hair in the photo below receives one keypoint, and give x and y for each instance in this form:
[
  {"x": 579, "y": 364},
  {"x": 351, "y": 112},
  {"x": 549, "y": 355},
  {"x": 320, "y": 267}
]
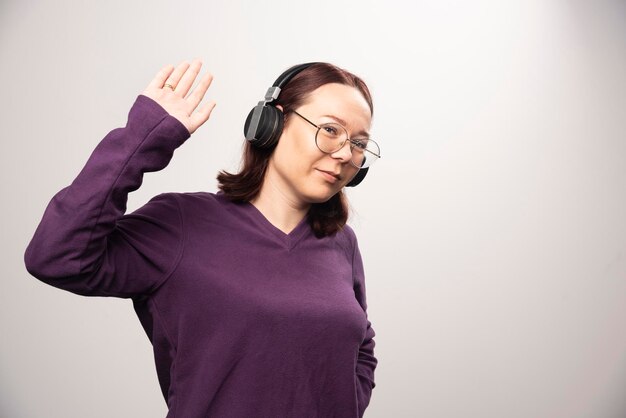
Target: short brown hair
[{"x": 325, "y": 218}]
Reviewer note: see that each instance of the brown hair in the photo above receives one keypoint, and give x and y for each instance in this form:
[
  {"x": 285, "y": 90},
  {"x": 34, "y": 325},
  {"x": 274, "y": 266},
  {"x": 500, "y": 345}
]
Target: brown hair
[{"x": 325, "y": 218}]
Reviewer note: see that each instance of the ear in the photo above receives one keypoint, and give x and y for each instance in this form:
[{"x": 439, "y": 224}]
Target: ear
[{"x": 280, "y": 107}]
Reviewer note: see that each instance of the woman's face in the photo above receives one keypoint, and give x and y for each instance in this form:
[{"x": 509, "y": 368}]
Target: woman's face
[{"x": 297, "y": 166}]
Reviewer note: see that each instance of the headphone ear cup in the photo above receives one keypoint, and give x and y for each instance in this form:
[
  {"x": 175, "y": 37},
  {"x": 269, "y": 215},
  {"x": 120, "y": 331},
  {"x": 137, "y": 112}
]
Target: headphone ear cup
[
  {"x": 268, "y": 127},
  {"x": 250, "y": 136},
  {"x": 358, "y": 178},
  {"x": 275, "y": 123}
]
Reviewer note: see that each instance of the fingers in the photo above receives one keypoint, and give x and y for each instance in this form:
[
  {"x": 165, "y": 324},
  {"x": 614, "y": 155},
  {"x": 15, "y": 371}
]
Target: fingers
[
  {"x": 159, "y": 79},
  {"x": 182, "y": 78},
  {"x": 201, "y": 116},
  {"x": 188, "y": 77},
  {"x": 176, "y": 75},
  {"x": 198, "y": 93}
]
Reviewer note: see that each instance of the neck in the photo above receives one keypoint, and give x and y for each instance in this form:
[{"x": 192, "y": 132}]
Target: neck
[{"x": 279, "y": 206}]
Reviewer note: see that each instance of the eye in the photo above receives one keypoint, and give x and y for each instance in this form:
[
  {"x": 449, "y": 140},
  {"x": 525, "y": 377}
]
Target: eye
[
  {"x": 330, "y": 129},
  {"x": 360, "y": 143}
]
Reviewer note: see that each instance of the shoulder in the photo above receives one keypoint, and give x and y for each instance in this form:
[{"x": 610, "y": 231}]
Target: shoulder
[
  {"x": 203, "y": 205},
  {"x": 160, "y": 204},
  {"x": 178, "y": 202},
  {"x": 348, "y": 232},
  {"x": 187, "y": 198},
  {"x": 346, "y": 238}
]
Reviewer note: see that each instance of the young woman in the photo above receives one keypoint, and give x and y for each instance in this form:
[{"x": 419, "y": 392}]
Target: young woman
[{"x": 253, "y": 297}]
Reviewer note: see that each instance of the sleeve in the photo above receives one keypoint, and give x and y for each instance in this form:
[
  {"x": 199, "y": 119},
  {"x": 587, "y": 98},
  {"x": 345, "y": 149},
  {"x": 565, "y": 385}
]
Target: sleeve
[
  {"x": 366, "y": 362},
  {"x": 85, "y": 244}
]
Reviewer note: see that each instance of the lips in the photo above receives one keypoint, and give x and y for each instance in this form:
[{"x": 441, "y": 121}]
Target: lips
[{"x": 335, "y": 175}]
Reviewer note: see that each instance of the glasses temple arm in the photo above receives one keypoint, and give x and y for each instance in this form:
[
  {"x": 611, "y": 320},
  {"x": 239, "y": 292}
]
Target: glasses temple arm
[{"x": 353, "y": 142}]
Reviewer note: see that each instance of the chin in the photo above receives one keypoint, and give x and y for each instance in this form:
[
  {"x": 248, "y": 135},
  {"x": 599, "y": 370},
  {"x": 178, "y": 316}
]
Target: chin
[
  {"x": 319, "y": 196},
  {"x": 319, "y": 199}
]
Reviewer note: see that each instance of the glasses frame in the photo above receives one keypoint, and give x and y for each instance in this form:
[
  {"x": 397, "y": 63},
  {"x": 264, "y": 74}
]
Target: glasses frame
[{"x": 352, "y": 142}]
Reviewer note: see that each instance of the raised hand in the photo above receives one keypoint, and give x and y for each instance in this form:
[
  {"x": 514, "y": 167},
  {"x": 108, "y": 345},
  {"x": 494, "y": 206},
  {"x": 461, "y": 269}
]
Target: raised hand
[{"x": 173, "y": 99}]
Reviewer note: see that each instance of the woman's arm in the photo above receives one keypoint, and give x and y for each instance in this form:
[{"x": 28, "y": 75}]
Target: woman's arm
[
  {"x": 84, "y": 242},
  {"x": 367, "y": 362}
]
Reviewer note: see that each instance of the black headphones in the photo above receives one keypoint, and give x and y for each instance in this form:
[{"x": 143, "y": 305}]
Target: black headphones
[{"x": 265, "y": 121}]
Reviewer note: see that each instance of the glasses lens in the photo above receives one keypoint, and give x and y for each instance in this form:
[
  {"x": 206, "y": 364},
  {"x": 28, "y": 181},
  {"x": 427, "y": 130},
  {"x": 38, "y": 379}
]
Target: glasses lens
[
  {"x": 330, "y": 137},
  {"x": 365, "y": 152}
]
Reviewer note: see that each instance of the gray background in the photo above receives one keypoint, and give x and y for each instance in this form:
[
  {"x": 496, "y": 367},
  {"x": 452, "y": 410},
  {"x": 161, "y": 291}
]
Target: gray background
[{"x": 493, "y": 229}]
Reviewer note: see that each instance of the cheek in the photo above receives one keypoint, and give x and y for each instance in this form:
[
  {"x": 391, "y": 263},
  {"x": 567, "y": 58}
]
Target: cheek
[
  {"x": 297, "y": 152},
  {"x": 349, "y": 173}
]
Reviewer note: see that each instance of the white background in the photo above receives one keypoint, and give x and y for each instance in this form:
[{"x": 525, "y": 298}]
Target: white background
[{"x": 493, "y": 229}]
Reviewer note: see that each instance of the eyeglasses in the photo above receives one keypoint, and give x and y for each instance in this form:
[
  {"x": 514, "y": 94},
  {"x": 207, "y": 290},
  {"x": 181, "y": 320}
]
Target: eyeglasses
[{"x": 331, "y": 137}]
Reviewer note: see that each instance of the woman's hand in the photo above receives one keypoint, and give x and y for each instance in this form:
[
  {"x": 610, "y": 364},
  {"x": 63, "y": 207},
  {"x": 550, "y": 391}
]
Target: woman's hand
[{"x": 173, "y": 100}]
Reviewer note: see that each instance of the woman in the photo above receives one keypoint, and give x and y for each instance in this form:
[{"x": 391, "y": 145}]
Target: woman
[{"x": 253, "y": 297}]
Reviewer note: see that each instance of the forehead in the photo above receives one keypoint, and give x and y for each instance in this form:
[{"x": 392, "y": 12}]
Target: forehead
[{"x": 342, "y": 101}]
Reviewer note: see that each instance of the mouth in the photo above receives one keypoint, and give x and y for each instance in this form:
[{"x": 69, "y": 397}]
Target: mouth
[{"x": 330, "y": 175}]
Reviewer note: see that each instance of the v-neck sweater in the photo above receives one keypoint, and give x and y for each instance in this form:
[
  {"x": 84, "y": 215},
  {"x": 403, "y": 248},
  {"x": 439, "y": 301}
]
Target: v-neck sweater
[{"x": 245, "y": 320}]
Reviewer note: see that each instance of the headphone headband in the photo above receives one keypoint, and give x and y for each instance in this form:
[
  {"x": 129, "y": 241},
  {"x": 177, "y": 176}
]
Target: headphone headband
[
  {"x": 273, "y": 92},
  {"x": 290, "y": 73}
]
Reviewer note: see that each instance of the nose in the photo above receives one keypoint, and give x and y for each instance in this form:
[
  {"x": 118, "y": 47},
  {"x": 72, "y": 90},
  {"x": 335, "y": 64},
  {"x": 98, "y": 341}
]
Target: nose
[{"x": 344, "y": 153}]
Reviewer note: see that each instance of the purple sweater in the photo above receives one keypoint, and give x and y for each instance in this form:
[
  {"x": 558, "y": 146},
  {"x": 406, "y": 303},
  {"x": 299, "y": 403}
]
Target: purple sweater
[{"x": 245, "y": 320}]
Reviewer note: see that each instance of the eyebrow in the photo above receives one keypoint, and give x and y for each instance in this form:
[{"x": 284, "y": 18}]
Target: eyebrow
[{"x": 343, "y": 122}]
